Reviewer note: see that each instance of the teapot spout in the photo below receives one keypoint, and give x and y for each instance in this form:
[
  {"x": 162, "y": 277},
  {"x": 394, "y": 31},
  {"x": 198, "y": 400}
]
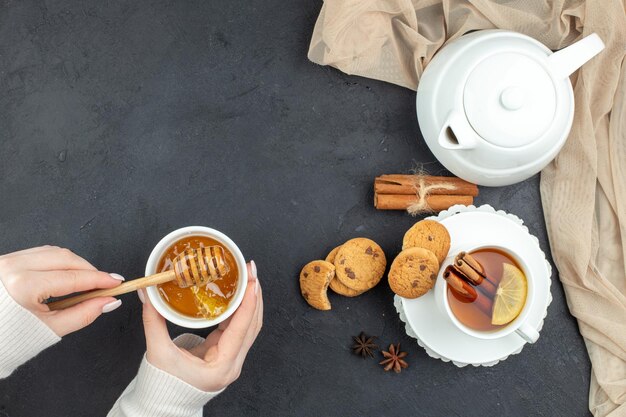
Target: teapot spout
[
  {"x": 457, "y": 133},
  {"x": 564, "y": 62}
]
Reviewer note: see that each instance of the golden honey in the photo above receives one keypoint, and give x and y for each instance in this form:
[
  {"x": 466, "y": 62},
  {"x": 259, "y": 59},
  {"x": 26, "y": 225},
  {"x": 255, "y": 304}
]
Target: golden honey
[{"x": 206, "y": 301}]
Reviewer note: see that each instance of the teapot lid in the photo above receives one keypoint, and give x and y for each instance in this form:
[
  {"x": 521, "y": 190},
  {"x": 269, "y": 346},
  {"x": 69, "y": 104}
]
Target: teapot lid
[{"x": 510, "y": 99}]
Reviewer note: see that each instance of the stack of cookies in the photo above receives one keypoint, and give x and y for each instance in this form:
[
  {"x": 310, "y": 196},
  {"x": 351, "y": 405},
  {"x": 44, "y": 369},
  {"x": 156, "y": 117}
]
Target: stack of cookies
[
  {"x": 424, "y": 247},
  {"x": 350, "y": 270}
]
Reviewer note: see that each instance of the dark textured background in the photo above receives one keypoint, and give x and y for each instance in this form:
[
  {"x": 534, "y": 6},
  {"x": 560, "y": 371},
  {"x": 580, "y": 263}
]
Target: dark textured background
[{"x": 123, "y": 120}]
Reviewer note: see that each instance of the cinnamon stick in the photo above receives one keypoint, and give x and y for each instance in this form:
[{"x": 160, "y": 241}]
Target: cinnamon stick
[
  {"x": 435, "y": 202},
  {"x": 474, "y": 272},
  {"x": 406, "y": 184},
  {"x": 466, "y": 291},
  {"x": 472, "y": 262},
  {"x": 473, "y": 276},
  {"x": 458, "y": 284}
]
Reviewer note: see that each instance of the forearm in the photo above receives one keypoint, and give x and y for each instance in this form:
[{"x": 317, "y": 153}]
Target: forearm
[
  {"x": 22, "y": 335},
  {"x": 155, "y": 393}
]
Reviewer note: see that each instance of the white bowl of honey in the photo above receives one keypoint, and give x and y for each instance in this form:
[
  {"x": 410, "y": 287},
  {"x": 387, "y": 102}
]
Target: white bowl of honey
[{"x": 198, "y": 306}]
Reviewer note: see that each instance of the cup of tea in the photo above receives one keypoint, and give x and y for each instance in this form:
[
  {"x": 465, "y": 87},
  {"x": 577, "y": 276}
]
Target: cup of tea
[
  {"x": 198, "y": 306},
  {"x": 499, "y": 305}
]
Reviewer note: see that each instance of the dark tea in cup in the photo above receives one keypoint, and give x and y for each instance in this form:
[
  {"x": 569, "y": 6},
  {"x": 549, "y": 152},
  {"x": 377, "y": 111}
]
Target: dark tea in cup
[{"x": 486, "y": 289}]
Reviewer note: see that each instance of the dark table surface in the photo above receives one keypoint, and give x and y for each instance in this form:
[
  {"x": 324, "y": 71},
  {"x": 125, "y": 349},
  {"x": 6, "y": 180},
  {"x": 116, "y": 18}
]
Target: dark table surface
[{"x": 123, "y": 120}]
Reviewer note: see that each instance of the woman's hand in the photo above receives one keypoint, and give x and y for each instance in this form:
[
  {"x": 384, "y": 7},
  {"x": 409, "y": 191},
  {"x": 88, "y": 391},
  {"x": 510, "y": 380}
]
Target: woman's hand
[
  {"x": 33, "y": 275},
  {"x": 217, "y": 362}
]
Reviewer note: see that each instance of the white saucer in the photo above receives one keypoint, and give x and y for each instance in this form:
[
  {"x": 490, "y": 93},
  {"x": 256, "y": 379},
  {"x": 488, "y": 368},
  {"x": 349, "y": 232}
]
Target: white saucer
[{"x": 473, "y": 227}]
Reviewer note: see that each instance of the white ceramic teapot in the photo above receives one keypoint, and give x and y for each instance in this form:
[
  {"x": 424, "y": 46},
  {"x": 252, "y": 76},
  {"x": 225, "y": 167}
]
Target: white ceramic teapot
[{"x": 495, "y": 106}]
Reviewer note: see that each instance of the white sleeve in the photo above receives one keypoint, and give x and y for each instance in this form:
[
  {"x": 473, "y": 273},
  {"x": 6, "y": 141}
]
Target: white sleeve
[
  {"x": 155, "y": 393},
  {"x": 22, "y": 334}
]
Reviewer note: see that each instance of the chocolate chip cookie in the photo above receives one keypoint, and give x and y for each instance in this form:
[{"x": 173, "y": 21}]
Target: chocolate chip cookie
[
  {"x": 360, "y": 264},
  {"x": 428, "y": 234},
  {"x": 335, "y": 284},
  {"x": 314, "y": 280},
  {"x": 413, "y": 273}
]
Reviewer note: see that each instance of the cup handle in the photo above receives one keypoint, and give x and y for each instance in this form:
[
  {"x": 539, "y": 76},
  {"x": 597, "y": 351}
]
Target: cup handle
[{"x": 528, "y": 333}]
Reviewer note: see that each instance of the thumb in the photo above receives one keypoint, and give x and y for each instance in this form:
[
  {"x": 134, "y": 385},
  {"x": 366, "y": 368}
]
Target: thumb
[
  {"x": 157, "y": 335},
  {"x": 71, "y": 319}
]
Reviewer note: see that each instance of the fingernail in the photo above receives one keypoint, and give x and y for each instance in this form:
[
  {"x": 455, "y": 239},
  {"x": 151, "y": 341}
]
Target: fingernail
[
  {"x": 111, "y": 306},
  {"x": 117, "y": 277},
  {"x": 253, "y": 268},
  {"x": 256, "y": 286},
  {"x": 141, "y": 296}
]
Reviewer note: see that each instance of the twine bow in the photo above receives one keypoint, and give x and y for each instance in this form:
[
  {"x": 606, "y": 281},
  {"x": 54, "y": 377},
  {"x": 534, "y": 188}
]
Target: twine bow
[{"x": 422, "y": 191}]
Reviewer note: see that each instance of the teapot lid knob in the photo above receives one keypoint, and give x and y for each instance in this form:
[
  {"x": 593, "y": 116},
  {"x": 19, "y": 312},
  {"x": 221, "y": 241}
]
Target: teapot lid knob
[{"x": 512, "y": 98}]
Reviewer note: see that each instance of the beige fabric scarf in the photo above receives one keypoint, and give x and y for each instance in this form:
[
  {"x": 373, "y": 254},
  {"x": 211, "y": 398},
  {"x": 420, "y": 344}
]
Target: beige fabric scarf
[{"x": 583, "y": 190}]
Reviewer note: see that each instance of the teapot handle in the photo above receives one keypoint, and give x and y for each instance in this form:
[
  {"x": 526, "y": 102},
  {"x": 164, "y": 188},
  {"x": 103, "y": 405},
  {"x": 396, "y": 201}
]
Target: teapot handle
[
  {"x": 564, "y": 62},
  {"x": 456, "y": 133}
]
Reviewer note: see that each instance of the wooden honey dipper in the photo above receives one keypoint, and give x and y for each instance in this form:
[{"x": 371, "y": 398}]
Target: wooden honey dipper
[{"x": 191, "y": 267}]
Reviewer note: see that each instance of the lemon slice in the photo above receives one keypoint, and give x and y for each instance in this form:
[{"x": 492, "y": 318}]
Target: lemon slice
[{"x": 510, "y": 296}]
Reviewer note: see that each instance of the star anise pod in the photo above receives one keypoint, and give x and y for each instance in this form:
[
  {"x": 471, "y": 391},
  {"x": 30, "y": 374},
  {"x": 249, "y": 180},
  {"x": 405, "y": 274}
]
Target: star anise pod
[
  {"x": 393, "y": 359},
  {"x": 364, "y": 345}
]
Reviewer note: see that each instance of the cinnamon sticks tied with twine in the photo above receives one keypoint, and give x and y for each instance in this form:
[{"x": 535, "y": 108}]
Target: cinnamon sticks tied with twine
[{"x": 418, "y": 193}]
